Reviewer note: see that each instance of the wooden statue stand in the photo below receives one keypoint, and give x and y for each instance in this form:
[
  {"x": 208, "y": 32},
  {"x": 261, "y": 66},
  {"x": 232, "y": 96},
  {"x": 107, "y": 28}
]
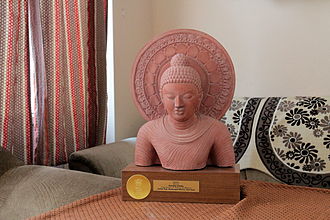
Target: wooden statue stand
[{"x": 154, "y": 183}]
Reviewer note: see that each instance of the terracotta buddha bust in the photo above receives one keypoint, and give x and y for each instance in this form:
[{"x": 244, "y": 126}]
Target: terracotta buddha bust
[{"x": 183, "y": 139}]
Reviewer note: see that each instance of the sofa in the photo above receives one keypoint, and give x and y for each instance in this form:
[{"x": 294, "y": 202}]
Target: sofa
[
  {"x": 261, "y": 129},
  {"x": 28, "y": 190}
]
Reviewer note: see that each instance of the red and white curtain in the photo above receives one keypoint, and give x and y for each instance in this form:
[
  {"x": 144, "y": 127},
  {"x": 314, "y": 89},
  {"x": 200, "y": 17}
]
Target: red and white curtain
[{"x": 53, "y": 78}]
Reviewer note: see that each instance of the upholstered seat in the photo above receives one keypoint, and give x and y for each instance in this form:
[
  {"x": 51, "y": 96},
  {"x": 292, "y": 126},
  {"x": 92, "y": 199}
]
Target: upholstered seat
[{"x": 29, "y": 190}]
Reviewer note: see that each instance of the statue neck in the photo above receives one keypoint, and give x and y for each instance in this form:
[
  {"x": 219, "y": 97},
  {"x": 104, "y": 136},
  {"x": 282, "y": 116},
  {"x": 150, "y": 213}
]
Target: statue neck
[
  {"x": 187, "y": 131},
  {"x": 181, "y": 125}
]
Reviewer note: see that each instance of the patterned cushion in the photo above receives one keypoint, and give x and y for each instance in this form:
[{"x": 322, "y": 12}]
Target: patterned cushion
[{"x": 285, "y": 137}]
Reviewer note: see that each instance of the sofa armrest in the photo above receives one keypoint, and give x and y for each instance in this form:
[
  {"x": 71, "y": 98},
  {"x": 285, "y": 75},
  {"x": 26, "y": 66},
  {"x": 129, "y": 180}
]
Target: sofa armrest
[
  {"x": 108, "y": 159},
  {"x": 8, "y": 161}
]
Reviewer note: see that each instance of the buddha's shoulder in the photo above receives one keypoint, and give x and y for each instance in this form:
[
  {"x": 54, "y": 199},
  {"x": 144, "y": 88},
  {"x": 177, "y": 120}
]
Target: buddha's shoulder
[
  {"x": 214, "y": 123},
  {"x": 151, "y": 125}
]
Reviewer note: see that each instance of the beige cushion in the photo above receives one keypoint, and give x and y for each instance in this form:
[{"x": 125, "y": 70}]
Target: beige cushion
[
  {"x": 30, "y": 190},
  {"x": 8, "y": 161},
  {"x": 108, "y": 159}
]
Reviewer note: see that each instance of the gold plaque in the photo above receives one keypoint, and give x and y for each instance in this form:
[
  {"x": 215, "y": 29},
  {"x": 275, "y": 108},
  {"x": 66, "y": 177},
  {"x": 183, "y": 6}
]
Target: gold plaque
[
  {"x": 138, "y": 186},
  {"x": 175, "y": 186}
]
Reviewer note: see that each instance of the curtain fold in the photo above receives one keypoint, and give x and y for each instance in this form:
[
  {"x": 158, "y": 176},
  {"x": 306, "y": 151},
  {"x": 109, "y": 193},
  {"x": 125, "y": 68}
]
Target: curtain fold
[
  {"x": 15, "y": 111},
  {"x": 39, "y": 85},
  {"x": 68, "y": 39}
]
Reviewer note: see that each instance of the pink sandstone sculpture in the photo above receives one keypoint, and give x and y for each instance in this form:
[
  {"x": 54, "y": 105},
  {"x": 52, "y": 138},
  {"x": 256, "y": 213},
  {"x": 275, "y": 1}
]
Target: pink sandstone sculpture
[{"x": 183, "y": 137}]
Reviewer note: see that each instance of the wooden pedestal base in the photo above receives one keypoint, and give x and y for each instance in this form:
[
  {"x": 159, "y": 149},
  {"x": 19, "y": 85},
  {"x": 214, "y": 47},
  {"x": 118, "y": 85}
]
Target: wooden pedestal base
[{"x": 154, "y": 183}]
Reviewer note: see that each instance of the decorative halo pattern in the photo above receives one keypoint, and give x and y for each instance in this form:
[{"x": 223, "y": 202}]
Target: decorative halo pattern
[{"x": 208, "y": 57}]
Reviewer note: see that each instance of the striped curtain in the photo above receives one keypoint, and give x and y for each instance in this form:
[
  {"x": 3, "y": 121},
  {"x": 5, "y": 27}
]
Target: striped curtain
[
  {"x": 15, "y": 114},
  {"x": 68, "y": 79}
]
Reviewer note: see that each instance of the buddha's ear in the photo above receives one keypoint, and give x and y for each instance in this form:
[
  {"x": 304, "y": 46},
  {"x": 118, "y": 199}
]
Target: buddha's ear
[
  {"x": 161, "y": 95},
  {"x": 200, "y": 96}
]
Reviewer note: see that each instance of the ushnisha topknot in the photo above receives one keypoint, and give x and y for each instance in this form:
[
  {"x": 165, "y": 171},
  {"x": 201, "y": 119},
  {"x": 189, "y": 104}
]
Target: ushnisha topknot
[{"x": 180, "y": 71}]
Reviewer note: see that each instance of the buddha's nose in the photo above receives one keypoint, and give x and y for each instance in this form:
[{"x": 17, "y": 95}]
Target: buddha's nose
[{"x": 178, "y": 103}]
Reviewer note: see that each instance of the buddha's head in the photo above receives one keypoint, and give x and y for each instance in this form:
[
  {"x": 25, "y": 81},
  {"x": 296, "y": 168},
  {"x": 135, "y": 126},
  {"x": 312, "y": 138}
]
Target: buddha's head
[{"x": 180, "y": 89}]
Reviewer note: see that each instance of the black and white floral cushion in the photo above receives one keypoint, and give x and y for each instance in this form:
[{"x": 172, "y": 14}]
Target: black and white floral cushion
[{"x": 286, "y": 137}]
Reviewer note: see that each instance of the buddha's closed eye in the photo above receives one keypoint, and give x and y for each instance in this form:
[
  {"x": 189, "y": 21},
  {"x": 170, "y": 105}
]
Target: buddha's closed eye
[
  {"x": 170, "y": 96},
  {"x": 188, "y": 96}
]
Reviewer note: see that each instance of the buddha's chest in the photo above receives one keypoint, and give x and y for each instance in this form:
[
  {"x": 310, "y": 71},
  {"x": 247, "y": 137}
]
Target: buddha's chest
[{"x": 185, "y": 155}]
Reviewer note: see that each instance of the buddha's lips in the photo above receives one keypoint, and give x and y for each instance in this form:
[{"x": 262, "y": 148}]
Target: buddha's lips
[{"x": 179, "y": 111}]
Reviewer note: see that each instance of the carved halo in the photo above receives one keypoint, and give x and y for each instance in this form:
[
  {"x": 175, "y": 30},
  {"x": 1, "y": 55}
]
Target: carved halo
[{"x": 208, "y": 57}]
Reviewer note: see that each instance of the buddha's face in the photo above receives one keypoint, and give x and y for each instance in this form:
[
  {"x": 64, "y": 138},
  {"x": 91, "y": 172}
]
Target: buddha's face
[{"x": 180, "y": 100}]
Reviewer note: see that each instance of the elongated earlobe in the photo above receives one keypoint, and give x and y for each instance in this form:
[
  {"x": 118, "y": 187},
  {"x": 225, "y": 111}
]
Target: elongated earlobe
[
  {"x": 161, "y": 95},
  {"x": 200, "y": 98}
]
